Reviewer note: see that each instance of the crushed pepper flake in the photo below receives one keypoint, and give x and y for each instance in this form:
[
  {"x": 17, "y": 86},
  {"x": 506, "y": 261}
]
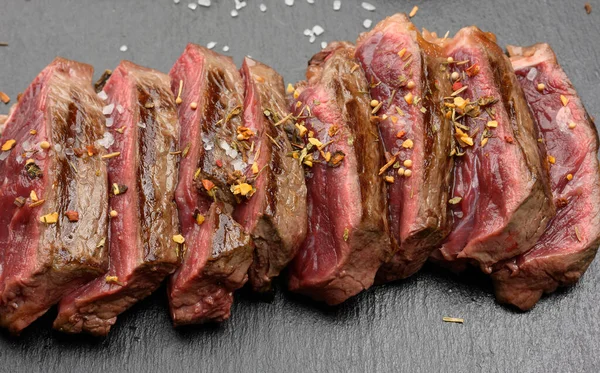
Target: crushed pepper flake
[
  {"x": 564, "y": 100},
  {"x": 455, "y": 320},
  {"x": 4, "y": 97},
  {"x": 179, "y": 238},
  {"x": 51, "y": 218},
  {"x": 73, "y": 216},
  {"x": 8, "y": 145}
]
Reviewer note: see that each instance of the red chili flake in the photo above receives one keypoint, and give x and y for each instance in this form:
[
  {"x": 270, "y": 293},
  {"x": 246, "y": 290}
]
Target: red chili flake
[
  {"x": 219, "y": 163},
  {"x": 73, "y": 216},
  {"x": 400, "y": 134},
  {"x": 509, "y": 139},
  {"x": 91, "y": 150},
  {"x": 456, "y": 86},
  {"x": 207, "y": 184},
  {"x": 473, "y": 70}
]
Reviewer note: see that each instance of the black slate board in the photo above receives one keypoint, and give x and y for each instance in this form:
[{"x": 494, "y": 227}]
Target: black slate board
[{"x": 396, "y": 327}]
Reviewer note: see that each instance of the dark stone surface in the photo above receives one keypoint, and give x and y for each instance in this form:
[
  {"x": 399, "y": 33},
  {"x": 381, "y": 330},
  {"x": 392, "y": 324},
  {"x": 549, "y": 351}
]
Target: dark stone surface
[{"x": 389, "y": 328}]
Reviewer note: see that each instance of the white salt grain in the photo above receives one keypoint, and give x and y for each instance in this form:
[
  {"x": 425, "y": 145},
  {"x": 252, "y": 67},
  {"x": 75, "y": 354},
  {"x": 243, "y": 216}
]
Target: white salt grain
[
  {"x": 226, "y": 48},
  {"x": 123, "y": 48},
  {"x": 312, "y": 39},
  {"x": 108, "y": 109},
  {"x": 192, "y": 6},
  {"x": 289, "y": 2},
  {"x": 367, "y": 23},
  {"x": 109, "y": 122},
  {"x": 102, "y": 95},
  {"x": 141, "y": 124},
  {"x": 323, "y": 44},
  {"x": 310, "y": 1},
  {"x": 532, "y": 74},
  {"x": 240, "y": 4},
  {"x": 318, "y": 30},
  {"x": 120, "y": 109},
  {"x": 106, "y": 141},
  {"x": 308, "y": 32},
  {"x": 263, "y": 7},
  {"x": 367, "y": 6},
  {"x": 205, "y": 3},
  {"x": 337, "y": 4},
  {"x": 176, "y": 1},
  {"x": 234, "y": 13},
  {"x": 211, "y": 44}
]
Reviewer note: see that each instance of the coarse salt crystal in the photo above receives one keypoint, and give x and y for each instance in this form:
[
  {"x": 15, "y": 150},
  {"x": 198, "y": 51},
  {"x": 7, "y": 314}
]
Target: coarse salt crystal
[
  {"x": 262, "y": 7},
  {"x": 367, "y": 23},
  {"x": 312, "y": 39},
  {"x": 337, "y": 4},
  {"x": 4, "y": 155},
  {"x": 310, "y": 1},
  {"x": 106, "y": 141},
  {"x": 120, "y": 109},
  {"x": 192, "y": 6},
  {"x": 109, "y": 122},
  {"x": 211, "y": 44},
  {"x": 240, "y": 4},
  {"x": 289, "y": 2},
  {"x": 176, "y": 1},
  {"x": 205, "y": 3},
  {"x": 234, "y": 13},
  {"x": 226, "y": 48},
  {"x": 532, "y": 74},
  {"x": 224, "y": 145},
  {"x": 318, "y": 30},
  {"x": 108, "y": 109},
  {"x": 308, "y": 32},
  {"x": 102, "y": 95},
  {"x": 69, "y": 151},
  {"x": 368, "y": 6},
  {"x": 57, "y": 147},
  {"x": 123, "y": 48},
  {"x": 323, "y": 44},
  {"x": 141, "y": 124}
]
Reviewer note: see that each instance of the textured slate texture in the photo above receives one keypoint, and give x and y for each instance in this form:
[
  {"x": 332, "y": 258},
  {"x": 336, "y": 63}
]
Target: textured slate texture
[{"x": 391, "y": 328}]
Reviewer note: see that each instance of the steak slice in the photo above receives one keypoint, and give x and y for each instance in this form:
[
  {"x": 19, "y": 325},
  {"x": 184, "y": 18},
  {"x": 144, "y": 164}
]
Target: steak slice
[
  {"x": 143, "y": 178},
  {"x": 47, "y": 177},
  {"x": 404, "y": 72},
  {"x": 275, "y": 216},
  {"x": 217, "y": 253},
  {"x": 501, "y": 199},
  {"x": 569, "y": 244},
  {"x": 348, "y": 236}
]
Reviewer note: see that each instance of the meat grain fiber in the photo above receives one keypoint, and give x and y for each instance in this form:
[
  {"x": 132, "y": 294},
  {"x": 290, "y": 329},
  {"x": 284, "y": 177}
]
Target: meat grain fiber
[
  {"x": 348, "y": 236},
  {"x": 406, "y": 82},
  {"x": 275, "y": 215},
  {"x": 569, "y": 244},
  {"x": 143, "y": 180},
  {"x": 54, "y": 167},
  {"x": 502, "y": 198},
  {"x": 217, "y": 251}
]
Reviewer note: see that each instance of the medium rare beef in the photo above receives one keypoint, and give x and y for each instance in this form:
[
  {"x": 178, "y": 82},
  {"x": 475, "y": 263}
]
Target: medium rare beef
[
  {"x": 408, "y": 86},
  {"x": 53, "y": 196},
  {"x": 275, "y": 216},
  {"x": 501, "y": 199},
  {"x": 142, "y": 118},
  {"x": 217, "y": 252},
  {"x": 569, "y": 244},
  {"x": 347, "y": 214}
]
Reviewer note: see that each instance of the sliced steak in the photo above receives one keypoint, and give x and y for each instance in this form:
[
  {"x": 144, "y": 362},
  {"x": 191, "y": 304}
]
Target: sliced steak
[
  {"x": 570, "y": 242},
  {"x": 217, "y": 252},
  {"x": 347, "y": 228},
  {"x": 408, "y": 86},
  {"x": 501, "y": 198},
  {"x": 275, "y": 215},
  {"x": 143, "y": 121},
  {"x": 51, "y": 171}
]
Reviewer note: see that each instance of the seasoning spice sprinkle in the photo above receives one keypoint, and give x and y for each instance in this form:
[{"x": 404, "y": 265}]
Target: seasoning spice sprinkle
[
  {"x": 111, "y": 155},
  {"x": 564, "y": 100},
  {"x": 551, "y": 159},
  {"x": 8, "y": 145},
  {"x": 346, "y": 234},
  {"x": 540, "y": 87},
  {"x": 492, "y": 124},
  {"x": 118, "y": 189},
  {"x": 410, "y": 84},
  {"x": 414, "y": 11},
  {"x": 179, "y": 239},
  {"x": 194, "y": 105},
  {"x": 178, "y": 100},
  {"x": 244, "y": 189},
  {"x": 20, "y": 201},
  {"x": 570, "y": 177},
  {"x": 572, "y": 125},
  {"x": 408, "y": 144},
  {"x": 51, "y": 218},
  {"x": 454, "y": 200},
  {"x": 4, "y": 97},
  {"x": 112, "y": 280},
  {"x": 113, "y": 213},
  {"x": 407, "y": 173},
  {"x": 254, "y": 168},
  {"x": 207, "y": 184},
  {"x": 33, "y": 196},
  {"x": 33, "y": 132},
  {"x": 408, "y": 98},
  {"x": 73, "y": 216},
  {"x": 577, "y": 234},
  {"x": 401, "y": 171},
  {"x": 374, "y": 103},
  {"x": 408, "y": 163},
  {"x": 199, "y": 218},
  {"x": 588, "y": 8},
  {"x": 453, "y": 320},
  {"x": 45, "y": 145},
  {"x": 401, "y": 52},
  {"x": 389, "y": 164},
  {"x": 389, "y": 179},
  {"x": 290, "y": 89},
  {"x": 37, "y": 203},
  {"x": 32, "y": 169}
]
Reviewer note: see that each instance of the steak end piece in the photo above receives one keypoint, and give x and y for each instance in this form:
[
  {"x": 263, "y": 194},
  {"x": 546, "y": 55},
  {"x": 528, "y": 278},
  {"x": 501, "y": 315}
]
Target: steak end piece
[
  {"x": 569, "y": 244},
  {"x": 501, "y": 200},
  {"x": 348, "y": 237},
  {"x": 144, "y": 125},
  {"x": 275, "y": 216},
  {"x": 217, "y": 252},
  {"x": 46, "y": 174},
  {"x": 405, "y": 80}
]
